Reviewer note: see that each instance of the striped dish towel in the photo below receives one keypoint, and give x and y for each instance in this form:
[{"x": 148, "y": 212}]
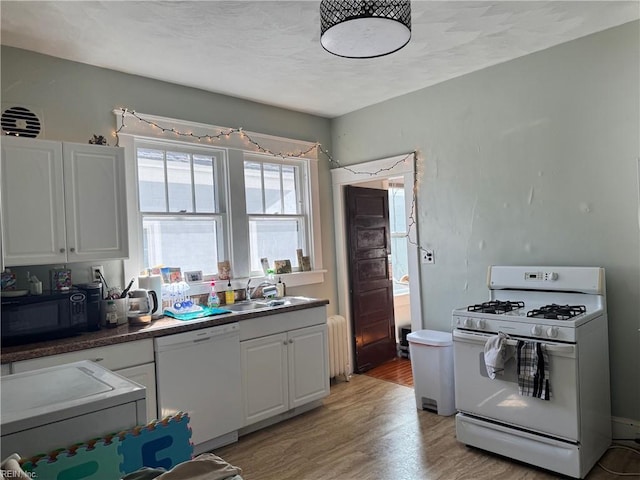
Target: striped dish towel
[{"x": 533, "y": 370}]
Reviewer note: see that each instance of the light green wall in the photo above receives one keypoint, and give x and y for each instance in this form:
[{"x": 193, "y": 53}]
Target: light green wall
[
  {"x": 77, "y": 101},
  {"x": 534, "y": 161}
]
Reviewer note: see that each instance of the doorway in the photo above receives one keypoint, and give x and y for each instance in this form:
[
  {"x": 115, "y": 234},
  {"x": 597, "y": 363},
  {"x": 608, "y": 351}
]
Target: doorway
[
  {"x": 394, "y": 170},
  {"x": 370, "y": 276}
]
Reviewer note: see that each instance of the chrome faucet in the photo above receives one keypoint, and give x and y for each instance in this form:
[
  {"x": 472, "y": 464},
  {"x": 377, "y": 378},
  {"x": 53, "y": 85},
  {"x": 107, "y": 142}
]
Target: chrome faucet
[{"x": 249, "y": 291}]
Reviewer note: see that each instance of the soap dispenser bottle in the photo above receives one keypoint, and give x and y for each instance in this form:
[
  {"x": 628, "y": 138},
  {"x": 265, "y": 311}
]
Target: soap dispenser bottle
[
  {"x": 213, "y": 301},
  {"x": 280, "y": 288},
  {"x": 229, "y": 294}
]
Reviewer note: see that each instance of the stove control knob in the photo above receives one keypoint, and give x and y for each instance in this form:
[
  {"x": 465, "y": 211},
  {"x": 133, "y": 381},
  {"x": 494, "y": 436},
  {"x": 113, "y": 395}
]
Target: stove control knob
[
  {"x": 552, "y": 332},
  {"x": 480, "y": 323},
  {"x": 536, "y": 330},
  {"x": 467, "y": 323}
]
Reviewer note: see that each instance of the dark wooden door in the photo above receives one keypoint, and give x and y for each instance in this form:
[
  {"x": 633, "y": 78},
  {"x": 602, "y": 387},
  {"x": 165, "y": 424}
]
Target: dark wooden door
[{"x": 370, "y": 284}]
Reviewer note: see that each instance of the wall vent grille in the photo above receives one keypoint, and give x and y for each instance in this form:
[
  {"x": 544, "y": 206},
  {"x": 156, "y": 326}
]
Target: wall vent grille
[{"x": 19, "y": 121}]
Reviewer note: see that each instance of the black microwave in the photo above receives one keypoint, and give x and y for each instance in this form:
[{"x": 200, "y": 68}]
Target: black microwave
[{"x": 33, "y": 318}]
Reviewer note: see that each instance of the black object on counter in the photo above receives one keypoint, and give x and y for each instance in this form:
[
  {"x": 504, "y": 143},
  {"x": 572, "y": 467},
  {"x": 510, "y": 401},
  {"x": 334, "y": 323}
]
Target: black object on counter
[
  {"x": 126, "y": 290},
  {"x": 93, "y": 292}
]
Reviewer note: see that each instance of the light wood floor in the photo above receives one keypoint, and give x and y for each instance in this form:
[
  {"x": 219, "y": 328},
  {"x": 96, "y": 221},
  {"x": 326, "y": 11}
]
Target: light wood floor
[{"x": 370, "y": 429}]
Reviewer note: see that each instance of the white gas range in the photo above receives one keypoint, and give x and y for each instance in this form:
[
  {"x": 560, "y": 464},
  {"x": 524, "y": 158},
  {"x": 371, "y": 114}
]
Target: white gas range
[{"x": 560, "y": 311}]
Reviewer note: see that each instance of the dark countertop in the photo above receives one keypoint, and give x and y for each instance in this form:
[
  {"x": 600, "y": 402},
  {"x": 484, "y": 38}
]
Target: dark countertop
[{"x": 130, "y": 333}]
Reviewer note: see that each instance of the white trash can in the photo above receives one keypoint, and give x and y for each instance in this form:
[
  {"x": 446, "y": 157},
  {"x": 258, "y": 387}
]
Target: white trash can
[{"x": 432, "y": 365}]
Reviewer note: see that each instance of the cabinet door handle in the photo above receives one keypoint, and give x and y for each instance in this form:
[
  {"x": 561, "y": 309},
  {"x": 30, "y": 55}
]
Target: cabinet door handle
[
  {"x": 99, "y": 359},
  {"x": 62, "y": 250},
  {"x": 284, "y": 343},
  {"x": 72, "y": 249},
  {"x": 291, "y": 340}
]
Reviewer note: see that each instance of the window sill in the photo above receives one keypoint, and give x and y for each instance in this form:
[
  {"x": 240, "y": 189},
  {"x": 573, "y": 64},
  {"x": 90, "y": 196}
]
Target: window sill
[{"x": 297, "y": 279}]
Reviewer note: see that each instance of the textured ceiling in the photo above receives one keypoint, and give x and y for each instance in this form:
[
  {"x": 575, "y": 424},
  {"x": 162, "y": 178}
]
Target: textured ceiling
[{"x": 270, "y": 51}]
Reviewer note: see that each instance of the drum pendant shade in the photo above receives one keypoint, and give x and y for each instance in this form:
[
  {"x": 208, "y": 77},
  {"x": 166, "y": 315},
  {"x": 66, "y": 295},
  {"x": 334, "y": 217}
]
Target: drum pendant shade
[{"x": 364, "y": 29}]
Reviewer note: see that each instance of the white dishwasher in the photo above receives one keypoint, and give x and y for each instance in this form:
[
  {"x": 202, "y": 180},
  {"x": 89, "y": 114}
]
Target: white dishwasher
[{"x": 199, "y": 373}]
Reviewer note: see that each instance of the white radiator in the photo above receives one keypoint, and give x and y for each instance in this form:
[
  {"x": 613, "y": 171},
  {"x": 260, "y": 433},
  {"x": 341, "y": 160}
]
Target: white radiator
[{"x": 339, "y": 363}]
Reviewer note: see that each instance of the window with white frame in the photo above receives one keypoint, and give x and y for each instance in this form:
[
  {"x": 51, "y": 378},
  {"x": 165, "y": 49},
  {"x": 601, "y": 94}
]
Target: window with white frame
[
  {"x": 193, "y": 209},
  {"x": 277, "y": 209},
  {"x": 398, "y": 226},
  {"x": 181, "y": 201}
]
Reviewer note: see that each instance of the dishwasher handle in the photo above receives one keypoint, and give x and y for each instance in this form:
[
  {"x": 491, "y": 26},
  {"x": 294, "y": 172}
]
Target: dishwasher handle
[{"x": 203, "y": 339}]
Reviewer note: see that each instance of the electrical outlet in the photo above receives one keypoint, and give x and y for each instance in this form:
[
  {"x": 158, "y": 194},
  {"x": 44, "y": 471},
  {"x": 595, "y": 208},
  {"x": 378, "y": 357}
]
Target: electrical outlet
[
  {"x": 97, "y": 272},
  {"x": 428, "y": 257}
]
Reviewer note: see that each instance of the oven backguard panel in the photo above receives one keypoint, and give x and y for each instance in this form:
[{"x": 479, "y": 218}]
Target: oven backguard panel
[{"x": 588, "y": 280}]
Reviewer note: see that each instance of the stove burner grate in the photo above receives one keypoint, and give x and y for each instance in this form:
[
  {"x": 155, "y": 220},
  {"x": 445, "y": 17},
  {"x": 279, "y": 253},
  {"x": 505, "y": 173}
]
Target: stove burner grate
[
  {"x": 495, "y": 306},
  {"x": 557, "y": 312}
]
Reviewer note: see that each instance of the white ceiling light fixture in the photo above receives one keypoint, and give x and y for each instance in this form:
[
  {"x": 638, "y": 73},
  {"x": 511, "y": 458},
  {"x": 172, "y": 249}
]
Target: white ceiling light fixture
[{"x": 364, "y": 28}]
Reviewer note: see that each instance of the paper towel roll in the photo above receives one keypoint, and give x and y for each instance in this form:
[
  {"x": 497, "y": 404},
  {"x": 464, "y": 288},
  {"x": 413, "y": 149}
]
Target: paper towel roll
[{"x": 152, "y": 282}]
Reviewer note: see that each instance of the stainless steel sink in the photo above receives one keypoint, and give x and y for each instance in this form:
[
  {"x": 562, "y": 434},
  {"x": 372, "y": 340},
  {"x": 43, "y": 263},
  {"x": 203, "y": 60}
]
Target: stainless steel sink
[
  {"x": 252, "y": 305},
  {"x": 246, "y": 306}
]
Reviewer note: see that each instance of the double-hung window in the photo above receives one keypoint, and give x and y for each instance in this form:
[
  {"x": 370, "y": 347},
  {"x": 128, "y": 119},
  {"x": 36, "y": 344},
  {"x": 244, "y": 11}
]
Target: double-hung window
[
  {"x": 202, "y": 200},
  {"x": 399, "y": 236},
  {"x": 276, "y": 206},
  {"x": 182, "y": 205}
]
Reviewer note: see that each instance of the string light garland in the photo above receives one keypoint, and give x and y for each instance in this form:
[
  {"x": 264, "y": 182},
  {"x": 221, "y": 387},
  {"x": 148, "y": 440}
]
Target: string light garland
[
  {"x": 299, "y": 154},
  {"x": 211, "y": 138}
]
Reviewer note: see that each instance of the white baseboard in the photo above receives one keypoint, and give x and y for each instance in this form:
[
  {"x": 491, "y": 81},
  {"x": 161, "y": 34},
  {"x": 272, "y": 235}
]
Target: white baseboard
[
  {"x": 279, "y": 418},
  {"x": 215, "y": 443},
  {"x": 625, "y": 428}
]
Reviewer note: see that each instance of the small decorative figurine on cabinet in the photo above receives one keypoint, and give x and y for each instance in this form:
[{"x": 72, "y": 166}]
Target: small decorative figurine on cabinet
[{"x": 98, "y": 140}]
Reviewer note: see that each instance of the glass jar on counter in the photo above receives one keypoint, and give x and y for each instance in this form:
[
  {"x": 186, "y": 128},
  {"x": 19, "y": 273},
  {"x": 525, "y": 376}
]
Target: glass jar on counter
[{"x": 111, "y": 314}]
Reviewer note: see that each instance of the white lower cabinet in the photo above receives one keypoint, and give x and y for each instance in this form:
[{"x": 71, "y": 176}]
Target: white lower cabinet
[
  {"x": 283, "y": 371},
  {"x": 133, "y": 360},
  {"x": 264, "y": 377},
  {"x": 308, "y": 360},
  {"x": 144, "y": 375}
]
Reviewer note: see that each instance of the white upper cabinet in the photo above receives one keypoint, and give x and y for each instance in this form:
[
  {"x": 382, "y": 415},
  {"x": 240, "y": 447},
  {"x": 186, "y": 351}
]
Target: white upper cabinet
[
  {"x": 95, "y": 202},
  {"x": 62, "y": 202},
  {"x": 33, "y": 218}
]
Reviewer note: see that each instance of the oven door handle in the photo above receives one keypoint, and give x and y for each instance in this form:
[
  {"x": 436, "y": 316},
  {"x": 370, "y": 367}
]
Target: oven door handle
[
  {"x": 550, "y": 347},
  {"x": 559, "y": 348}
]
